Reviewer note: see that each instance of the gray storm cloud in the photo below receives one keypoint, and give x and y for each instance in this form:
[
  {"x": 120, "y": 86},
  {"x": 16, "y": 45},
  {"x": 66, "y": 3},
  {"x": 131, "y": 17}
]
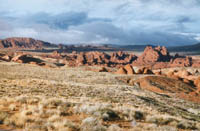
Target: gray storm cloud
[{"x": 116, "y": 21}]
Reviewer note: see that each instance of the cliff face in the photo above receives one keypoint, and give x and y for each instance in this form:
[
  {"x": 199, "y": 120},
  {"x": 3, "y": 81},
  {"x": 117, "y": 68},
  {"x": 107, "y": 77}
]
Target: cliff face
[{"x": 27, "y": 43}]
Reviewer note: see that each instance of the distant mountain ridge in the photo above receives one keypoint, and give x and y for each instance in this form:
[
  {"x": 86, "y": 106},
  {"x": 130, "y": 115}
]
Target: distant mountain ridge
[
  {"x": 30, "y": 43},
  {"x": 134, "y": 47},
  {"x": 24, "y": 43},
  {"x": 188, "y": 48},
  {"x": 185, "y": 48}
]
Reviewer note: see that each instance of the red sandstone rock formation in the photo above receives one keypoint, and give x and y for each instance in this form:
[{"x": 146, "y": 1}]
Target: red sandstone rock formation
[
  {"x": 129, "y": 69},
  {"x": 158, "y": 72},
  {"x": 147, "y": 71},
  {"x": 25, "y": 58},
  {"x": 160, "y": 65},
  {"x": 182, "y": 73},
  {"x": 99, "y": 58},
  {"x": 153, "y": 58},
  {"x": 121, "y": 71},
  {"x": 169, "y": 86},
  {"x": 196, "y": 63},
  {"x": 103, "y": 69},
  {"x": 159, "y": 57},
  {"x": 5, "y": 57},
  {"x": 121, "y": 57},
  {"x": 56, "y": 54},
  {"x": 181, "y": 62},
  {"x": 20, "y": 43},
  {"x": 197, "y": 83},
  {"x": 152, "y": 55}
]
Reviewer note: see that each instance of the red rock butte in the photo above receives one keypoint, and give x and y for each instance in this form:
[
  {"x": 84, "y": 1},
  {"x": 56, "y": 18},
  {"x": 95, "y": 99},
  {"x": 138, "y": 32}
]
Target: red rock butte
[{"x": 20, "y": 43}]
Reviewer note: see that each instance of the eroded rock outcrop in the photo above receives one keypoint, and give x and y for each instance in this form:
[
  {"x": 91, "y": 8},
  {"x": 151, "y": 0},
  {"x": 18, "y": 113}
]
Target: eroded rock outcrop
[
  {"x": 5, "y": 57},
  {"x": 99, "y": 58},
  {"x": 25, "y": 58},
  {"x": 128, "y": 69},
  {"x": 56, "y": 55},
  {"x": 20, "y": 43},
  {"x": 153, "y": 58},
  {"x": 152, "y": 55},
  {"x": 159, "y": 58},
  {"x": 168, "y": 86},
  {"x": 121, "y": 71},
  {"x": 181, "y": 62},
  {"x": 197, "y": 83}
]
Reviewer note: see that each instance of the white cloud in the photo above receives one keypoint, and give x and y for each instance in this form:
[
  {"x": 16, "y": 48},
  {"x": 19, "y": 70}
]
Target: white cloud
[{"x": 102, "y": 21}]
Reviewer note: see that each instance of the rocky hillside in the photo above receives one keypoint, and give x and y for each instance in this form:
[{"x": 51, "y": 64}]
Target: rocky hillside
[{"x": 23, "y": 43}]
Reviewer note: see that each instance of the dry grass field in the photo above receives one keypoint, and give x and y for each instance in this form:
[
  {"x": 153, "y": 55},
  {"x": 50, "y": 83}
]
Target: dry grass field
[{"x": 34, "y": 98}]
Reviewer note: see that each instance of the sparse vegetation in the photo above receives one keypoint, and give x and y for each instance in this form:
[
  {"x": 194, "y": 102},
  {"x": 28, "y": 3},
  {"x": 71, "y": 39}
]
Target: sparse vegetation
[{"x": 42, "y": 99}]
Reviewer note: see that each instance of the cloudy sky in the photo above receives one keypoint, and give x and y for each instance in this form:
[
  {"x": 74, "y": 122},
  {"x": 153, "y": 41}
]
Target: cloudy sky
[{"x": 164, "y": 22}]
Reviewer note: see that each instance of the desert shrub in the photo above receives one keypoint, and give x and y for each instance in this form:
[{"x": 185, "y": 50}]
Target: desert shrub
[
  {"x": 165, "y": 128},
  {"x": 109, "y": 115},
  {"x": 161, "y": 120},
  {"x": 12, "y": 107},
  {"x": 15, "y": 121},
  {"x": 33, "y": 100},
  {"x": 114, "y": 127},
  {"x": 139, "y": 115},
  {"x": 22, "y": 99},
  {"x": 3, "y": 116},
  {"x": 90, "y": 109},
  {"x": 186, "y": 125},
  {"x": 48, "y": 112},
  {"x": 65, "y": 125},
  {"x": 52, "y": 103},
  {"x": 92, "y": 124},
  {"x": 64, "y": 109},
  {"x": 36, "y": 127},
  {"x": 126, "y": 114},
  {"x": 54, "y": 118}
]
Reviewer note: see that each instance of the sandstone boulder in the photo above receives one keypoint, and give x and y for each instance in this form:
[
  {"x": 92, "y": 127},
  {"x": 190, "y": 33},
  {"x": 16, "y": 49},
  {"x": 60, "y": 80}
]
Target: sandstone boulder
[
  {"x": 144, "y": 70},
  {"x": 171, "y": 74},
  {"x": 157, "y": 72},
  {"x": 147, "y": 71},
  {"x": 140, "y": 71},
  {"x": 182, "y": 73},
  {"x": 121, "y": 71},
  {"x": 181, "y": 62},
  {"x": 129, "y": 69},
  {"x": 81, "y": 59},
  {"x": 196, "y": 63},
  {"x": 197, "y": 82},
  {"x": 56, "y": 54},
  {"x": 103, "y": 69},
  {"x": 187, "y": 81}
]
